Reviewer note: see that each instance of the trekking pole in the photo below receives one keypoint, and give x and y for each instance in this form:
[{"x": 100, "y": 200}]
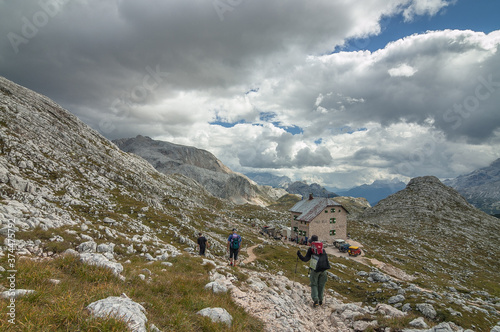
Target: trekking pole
[{"x": 295, "y": 273}]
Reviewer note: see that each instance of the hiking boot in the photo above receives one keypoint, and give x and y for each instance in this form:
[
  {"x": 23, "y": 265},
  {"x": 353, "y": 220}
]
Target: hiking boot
[
  {"x": 315, "y": 304},
  {"x": 320, "y": 302}
]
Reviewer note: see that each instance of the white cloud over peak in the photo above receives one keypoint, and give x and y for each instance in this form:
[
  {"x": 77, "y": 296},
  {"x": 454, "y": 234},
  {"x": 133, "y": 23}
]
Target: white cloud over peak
[{"x": 261, "y": 87}]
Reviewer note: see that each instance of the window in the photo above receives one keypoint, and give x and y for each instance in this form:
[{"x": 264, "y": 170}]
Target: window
[
  {"x": 340, "y": 210},
  {"x": 332, "y": 232},
  {"x": 332, "y": 210},
  {"x": 326, "y": 211},
  {"x": 333, "y": 220},
  {"x": 295, "y": 217},
  {"x": 295, "y": 229}
]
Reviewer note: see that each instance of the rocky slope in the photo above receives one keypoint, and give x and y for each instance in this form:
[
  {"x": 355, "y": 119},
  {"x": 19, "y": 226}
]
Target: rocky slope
[
  {"x": 481, "y": 187},
  {"x": 203, "y": 167},
  {"x": 55, "y": 170},
  {"x": 431, "y": 230},
  {"x": 65, "y": 188}
]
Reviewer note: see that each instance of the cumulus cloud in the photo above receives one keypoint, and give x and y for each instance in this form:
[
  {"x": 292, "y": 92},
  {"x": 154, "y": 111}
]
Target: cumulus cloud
[
  {"x": 260, "y": 85},
  {"x": 402, "y": 70}
]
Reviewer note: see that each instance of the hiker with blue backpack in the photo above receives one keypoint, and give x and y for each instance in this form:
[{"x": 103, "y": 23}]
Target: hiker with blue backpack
[
  {"x": 318, "y": 265},
  {"x": 233, "y": 245}
]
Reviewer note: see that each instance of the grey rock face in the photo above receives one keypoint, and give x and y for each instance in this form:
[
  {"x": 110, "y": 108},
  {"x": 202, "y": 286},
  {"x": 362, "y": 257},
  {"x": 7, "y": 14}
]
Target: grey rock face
[
  {"x": 480, "y": 187},
  {"x": 121, "y": 308},
  {"x": 201, "y": 166}
]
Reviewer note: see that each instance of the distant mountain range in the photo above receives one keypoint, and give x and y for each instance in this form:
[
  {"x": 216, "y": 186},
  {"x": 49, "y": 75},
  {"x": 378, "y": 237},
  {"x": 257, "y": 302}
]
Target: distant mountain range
[
  {"x": 480, "y": 187},
  {"x": 374, "y": 192},
  {"x": 298, "y": 187},
  {"x": 268, "y": 179}
]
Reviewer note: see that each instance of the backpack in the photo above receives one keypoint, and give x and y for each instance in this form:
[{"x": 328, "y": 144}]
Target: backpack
[
  {"x": 317, "y": 249},
  {"x": 235, "y": 243}
]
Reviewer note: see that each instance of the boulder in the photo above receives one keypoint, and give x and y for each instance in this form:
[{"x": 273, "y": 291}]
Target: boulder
[
  {"x": 379, "y": 277},
  {"x": 396, "y": 299},
  {"x": 419, "y": 323},
  {"x": 388, "y": 310},
  {"x": 89, "y": 246},
  {"x": 109, "y": 247},
  {"x": 217, "y": 315},
  {"x": 122, "y": 308},
  {"x": 427, "y": 310},
  {"x": 216, "y": 287}
]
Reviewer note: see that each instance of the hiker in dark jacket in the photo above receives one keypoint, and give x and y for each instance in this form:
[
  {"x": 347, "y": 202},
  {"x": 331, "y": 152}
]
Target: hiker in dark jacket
[
  {"x": 319, "y": 265},
  {"x": 202, "y": 244}
]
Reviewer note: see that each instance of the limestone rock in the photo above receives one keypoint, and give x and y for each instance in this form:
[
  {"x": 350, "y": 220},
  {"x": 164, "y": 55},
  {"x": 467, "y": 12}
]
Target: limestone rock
[
  {"x": 101, "y": 260},
  {"x": 89, "y": 246},
  {"x": 418, "y": 323},
  {"x": 427, "y": 310},
  {"x": 122, "y": 308},
  {"x": 216, "y": 287},
  {"x": 217, "y": 315}
]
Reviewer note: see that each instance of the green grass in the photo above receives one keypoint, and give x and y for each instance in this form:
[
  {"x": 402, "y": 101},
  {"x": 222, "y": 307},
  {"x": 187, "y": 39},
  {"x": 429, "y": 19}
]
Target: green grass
[{"x": 171, "y": 298}]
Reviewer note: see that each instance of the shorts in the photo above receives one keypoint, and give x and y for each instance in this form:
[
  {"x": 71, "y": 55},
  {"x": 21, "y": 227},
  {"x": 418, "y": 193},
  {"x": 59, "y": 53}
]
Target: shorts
[{"x": 233, "y": 253}]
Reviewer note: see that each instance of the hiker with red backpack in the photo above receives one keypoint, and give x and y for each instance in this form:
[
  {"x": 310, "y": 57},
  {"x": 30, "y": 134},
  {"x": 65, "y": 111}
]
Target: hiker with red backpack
[
  {"x": 318, "y": 265},
  {"x": 233, "y": 245}
]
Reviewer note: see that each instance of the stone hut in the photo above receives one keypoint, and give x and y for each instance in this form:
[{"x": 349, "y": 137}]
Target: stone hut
[{"x": 320, "y": 216}]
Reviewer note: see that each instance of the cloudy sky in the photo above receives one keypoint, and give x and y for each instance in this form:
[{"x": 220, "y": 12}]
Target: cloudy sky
[{"x": 340, "y": 93}]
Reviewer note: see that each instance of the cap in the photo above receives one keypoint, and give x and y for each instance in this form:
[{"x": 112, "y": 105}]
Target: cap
[{"x": 234, "y": 229}]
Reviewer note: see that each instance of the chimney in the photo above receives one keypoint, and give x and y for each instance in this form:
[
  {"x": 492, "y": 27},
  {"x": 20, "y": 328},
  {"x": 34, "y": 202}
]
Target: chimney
[{"x": 310, "y": 196}]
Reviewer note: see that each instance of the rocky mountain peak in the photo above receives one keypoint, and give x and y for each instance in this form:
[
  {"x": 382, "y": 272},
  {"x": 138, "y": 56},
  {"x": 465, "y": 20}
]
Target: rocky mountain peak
[
  {"x": 201, "y": 166},
  {"x": 480, "y": 187}
]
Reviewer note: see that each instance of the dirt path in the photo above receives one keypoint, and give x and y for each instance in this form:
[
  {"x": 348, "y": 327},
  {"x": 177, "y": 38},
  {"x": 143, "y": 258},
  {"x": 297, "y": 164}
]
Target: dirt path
[
  {"x": 251, "y": 256},
  {"x": 387, "y": 268}
]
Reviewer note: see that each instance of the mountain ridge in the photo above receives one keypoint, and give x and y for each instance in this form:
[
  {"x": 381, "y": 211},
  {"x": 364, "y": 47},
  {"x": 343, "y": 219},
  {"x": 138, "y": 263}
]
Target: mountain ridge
[
  {"x": 480, "y": 187},
  {"x": 201, "y": 166}
]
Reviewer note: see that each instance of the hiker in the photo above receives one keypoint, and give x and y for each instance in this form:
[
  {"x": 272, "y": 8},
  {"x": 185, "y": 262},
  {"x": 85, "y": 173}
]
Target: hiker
[
  {"x": 317, "y": 269},
  {"x": 233, "y": 245},
  {"x": 202, "y": 244}
]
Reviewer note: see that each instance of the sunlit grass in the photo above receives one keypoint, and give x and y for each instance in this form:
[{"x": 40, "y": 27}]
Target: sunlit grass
[{"x": 171, "y": 297}]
